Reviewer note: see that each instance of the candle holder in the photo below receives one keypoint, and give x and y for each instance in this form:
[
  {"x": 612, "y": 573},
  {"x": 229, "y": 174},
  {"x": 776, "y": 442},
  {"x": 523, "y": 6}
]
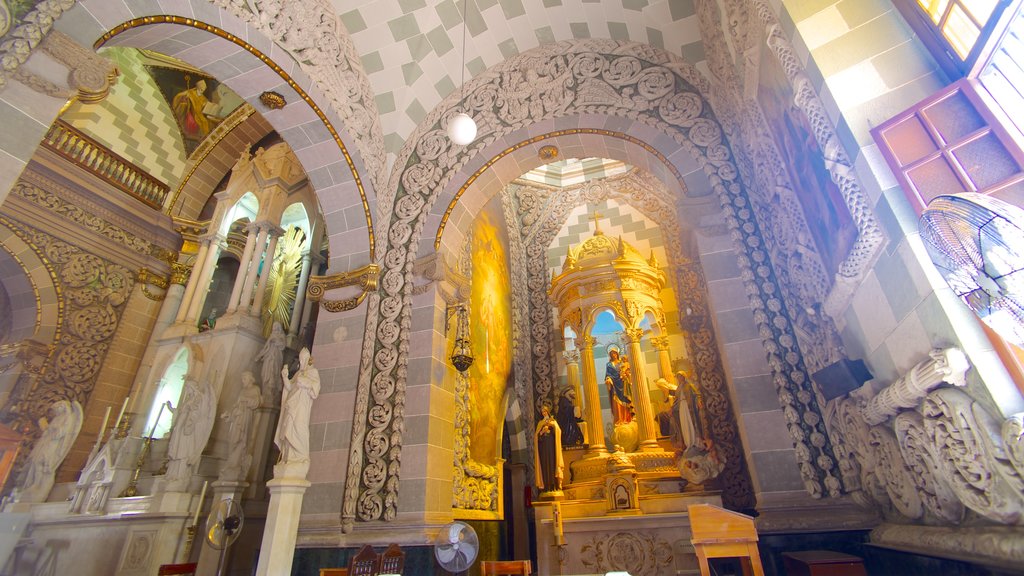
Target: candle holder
[
  {"x": 123, "y": 426},
  {"x": 190, "y": 538},
  {"x": 133, "y": 485}
]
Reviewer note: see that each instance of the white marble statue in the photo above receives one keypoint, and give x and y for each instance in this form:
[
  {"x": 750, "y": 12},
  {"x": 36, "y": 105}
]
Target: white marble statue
[
  {"x": 240, "y": 419},
  {"x": 193, "y": 422},
  {"x": 59, "y": 434},
  {"x": 292, "y": 436},
  {"x": 272, "y": 358}
]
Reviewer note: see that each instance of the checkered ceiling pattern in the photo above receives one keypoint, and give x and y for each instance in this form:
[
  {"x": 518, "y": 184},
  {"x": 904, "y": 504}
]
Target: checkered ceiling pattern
[{"x": 412, "y": 49}]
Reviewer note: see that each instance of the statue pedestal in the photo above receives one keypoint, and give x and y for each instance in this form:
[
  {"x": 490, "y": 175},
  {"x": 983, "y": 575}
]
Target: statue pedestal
[
  {"x": 282, "y": 526},
  {"x": 208, "y": 557}
]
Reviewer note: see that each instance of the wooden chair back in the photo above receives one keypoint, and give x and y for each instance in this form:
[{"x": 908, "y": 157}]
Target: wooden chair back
[
  {"x": 505, "y": 567},
  {"x": 176, "y": 569},
  {"x": 392, "y": 560},
  {"x": 365, "y": 563}
]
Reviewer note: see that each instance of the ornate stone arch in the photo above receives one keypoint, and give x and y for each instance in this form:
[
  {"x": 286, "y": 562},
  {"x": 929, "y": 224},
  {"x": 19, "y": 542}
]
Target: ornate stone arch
[{"x": 594, "y": 77}]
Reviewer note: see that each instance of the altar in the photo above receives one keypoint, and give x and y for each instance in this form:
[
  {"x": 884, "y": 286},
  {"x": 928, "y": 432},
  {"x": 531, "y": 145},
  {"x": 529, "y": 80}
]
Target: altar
[{"x": 634, "y": 448}]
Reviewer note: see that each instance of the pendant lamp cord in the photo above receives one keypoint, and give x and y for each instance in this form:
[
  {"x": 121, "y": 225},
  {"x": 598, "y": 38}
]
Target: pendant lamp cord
[{"x": 465, "y": 25}]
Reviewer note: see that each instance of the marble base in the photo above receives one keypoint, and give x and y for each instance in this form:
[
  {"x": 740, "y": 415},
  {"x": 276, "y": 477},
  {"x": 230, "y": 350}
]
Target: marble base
[{"x": 282, "y": 527}]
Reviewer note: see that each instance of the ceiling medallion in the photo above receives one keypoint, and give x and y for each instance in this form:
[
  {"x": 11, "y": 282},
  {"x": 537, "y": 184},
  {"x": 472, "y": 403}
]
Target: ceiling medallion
[
  {"x": 272, "y": 100},
  {"x": 548, "y": 153}
]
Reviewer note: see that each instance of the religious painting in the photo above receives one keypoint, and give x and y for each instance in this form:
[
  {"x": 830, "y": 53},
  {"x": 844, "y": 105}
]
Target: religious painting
[
  {"x": 828, "y": 218},
  {"x": 199, "y": 103},
  {"x": 491, "y": 334}
]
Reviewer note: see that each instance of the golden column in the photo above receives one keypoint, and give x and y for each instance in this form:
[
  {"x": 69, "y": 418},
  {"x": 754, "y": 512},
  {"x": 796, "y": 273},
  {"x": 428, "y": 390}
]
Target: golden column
[
  {"x": 572, "y": 371},
  {"x": 593, "y": 400},
  {"x": 641, "y": 395},
  {"x": 660, "y": 344}
]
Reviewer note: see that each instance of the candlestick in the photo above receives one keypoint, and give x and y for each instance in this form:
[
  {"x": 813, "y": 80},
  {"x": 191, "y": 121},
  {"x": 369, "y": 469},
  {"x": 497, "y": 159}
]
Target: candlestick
[
  {"x": 120, "y": 414},
  {"x": 152, "y": 431},
  {"x": 202, "y": 496},
  {"x": 106, "y": 416}
]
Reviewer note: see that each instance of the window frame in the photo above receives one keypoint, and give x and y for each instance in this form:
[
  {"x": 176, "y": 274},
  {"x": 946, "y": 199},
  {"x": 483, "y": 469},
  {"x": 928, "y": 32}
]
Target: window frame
[{"x": 942, "y": 51}]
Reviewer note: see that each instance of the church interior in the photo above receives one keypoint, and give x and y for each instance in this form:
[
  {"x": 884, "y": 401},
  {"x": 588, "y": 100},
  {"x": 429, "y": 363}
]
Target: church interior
[{"x": 577, "y": 286}]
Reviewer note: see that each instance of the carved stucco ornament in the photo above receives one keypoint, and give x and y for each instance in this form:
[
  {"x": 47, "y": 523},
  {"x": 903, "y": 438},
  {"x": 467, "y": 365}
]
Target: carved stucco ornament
[{"x": 364, "y": 278}]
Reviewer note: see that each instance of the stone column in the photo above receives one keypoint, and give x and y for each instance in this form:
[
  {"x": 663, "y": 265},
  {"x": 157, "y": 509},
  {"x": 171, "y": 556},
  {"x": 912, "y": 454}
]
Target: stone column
[
  {"x": 593, "y": 400},
  {"x": 268, "y": 263},
  {"x": 204, "y": 277},
  {"x": 250, "y": 276},
  {"x": 208, "y": 557},
  {"x": 664, "y": 357},
  {"x": 300, "y": 297},
  {"x": 572, "y": 371},
  {"x": 243, "y": 267},
  {"x": 190, "y": 289},
  {"x": 282, "y": 527},
  {"x": 641, "y": 395}
]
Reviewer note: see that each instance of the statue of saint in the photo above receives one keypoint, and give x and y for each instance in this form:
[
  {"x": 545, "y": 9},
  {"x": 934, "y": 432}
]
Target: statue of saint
[
  {"x": 59, "y": 434},
  {"x": 292, "y": 436},
  {"x": 240, "y": 419},
  {"x": 667, "y": 415},
  {"x": 568, "y": 417},
  {"x": 688, "y": 406},
  {"x": 190, "y": 430},
  {"x": 616, "y": 377},
  {"x": 272, "y": 358},
  {"x": 548, "y": 465}
]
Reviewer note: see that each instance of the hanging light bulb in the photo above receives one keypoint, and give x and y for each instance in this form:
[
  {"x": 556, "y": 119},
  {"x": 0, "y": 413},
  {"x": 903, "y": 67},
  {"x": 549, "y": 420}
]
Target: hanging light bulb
[{"x": 462, "y": 127}]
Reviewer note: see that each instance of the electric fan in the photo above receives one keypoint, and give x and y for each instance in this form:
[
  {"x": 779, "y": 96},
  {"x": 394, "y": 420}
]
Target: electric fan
[
  {"x": 977, "y": 244},
  {"x": 456, "y": 546},
  {"x": 223, "y": 526}
]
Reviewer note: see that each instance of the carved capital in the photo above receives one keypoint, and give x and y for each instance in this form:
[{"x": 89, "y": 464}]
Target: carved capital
[
  {"x": 147, "y": 277},
  {"x": 180, "y": 273},
  {"x": 949, "y": 365},
  {"x": 588, "y": 342},
  {"x": 633, "y": 335},
  {"x": 571, "y": 356},
  {"x": 659, "y": 342}
]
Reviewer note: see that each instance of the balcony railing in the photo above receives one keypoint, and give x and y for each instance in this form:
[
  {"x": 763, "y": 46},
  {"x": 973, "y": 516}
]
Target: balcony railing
[{"x": 75, "y": 146}]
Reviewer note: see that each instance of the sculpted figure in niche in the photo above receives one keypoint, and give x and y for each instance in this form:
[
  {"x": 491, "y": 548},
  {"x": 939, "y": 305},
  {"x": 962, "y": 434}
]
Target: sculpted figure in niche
[
  {"x": 548, "y": 465},
  {"x": 272, "y": 358},
  {"x": 193, "y": 422},
  {"x": 292, "y": 436},
  {"x": 616, "y": 377},
  {"x": 59, "y": 433},
  {"x": 568, "y": 417},
  {"x": 240, "y": 419}
]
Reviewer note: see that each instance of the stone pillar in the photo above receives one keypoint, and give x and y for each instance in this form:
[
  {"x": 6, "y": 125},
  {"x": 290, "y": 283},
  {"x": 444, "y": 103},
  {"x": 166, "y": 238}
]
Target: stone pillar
[
  {"x": 265, "y": 422},
  {"x": 204, "y": 277},
  {"x": 250, "y": 276},
  {"x": 243, "y": 267},
  {"x": 593, "y": 401},
  {"x": 256, "y": 307},
  {"x": 641, "y": 395},
  {"x": 282, "y": 526},
  {"x": 572, "y": 371},
  {"x": 190, "y": 289},
  {"x": 664, "y": 357},
  {"x": 300, "y": 297},
  {"x": 208, "y": 557}
]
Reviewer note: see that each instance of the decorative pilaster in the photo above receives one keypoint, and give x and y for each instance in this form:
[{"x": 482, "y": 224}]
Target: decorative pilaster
[
  {"x": 205, "y": 276},
  {"x": 592, "y": 400},
  {"x": 193, "y": 281},
  {"x": 282, "y": 526},
  {"x": 641, "y": 395},
  {"x": 243, "y": 268},
  {"x": 660, "y": 344},
  {"x": 256, "y": 306},
  {"x": 250, "y": 275}
]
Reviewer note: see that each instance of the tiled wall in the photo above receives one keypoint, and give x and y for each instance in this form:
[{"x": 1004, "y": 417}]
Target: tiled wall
[
  {"x": 867, "y": 66},
  {"x": 134, "y": 120}
]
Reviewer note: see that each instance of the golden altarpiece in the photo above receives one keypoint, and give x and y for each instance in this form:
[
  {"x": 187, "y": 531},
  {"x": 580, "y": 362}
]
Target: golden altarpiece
[{"x": 636, "y": 480}]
